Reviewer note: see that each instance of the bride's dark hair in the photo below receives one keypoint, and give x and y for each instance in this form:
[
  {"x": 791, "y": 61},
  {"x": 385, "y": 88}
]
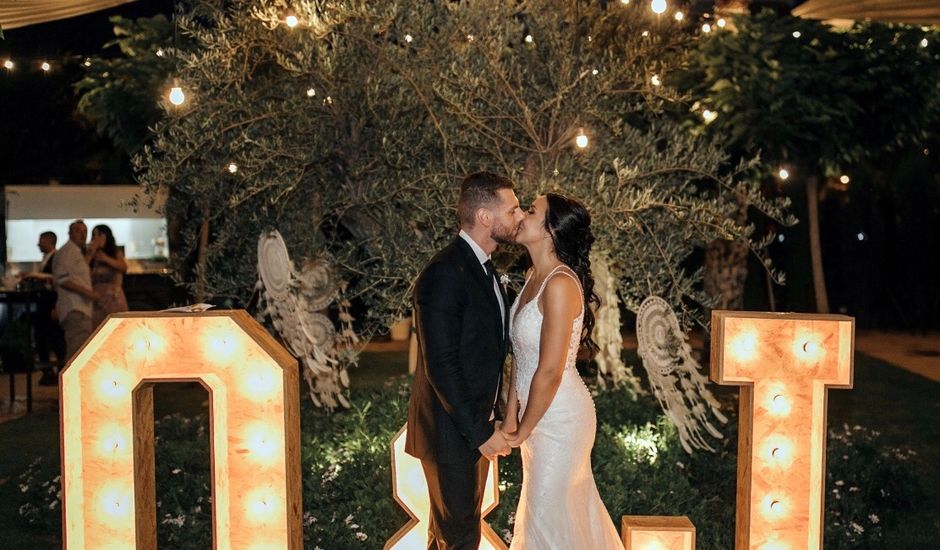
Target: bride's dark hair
[{"x": 569, "y": 224}]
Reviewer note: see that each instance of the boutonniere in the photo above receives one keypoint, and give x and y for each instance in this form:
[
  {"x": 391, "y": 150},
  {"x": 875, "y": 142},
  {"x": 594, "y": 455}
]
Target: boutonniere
[{"x": 504, "y": 279}]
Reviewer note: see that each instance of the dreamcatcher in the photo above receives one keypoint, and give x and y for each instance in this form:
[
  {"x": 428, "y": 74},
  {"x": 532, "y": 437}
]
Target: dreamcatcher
[
  {"x": 293, "y": 300},
  {"x": 674, "y": 375},
  {"x": 606, "y": 334}
]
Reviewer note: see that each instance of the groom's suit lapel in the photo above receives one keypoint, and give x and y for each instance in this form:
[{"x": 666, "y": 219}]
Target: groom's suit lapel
[{"x": 479, "y": 275}]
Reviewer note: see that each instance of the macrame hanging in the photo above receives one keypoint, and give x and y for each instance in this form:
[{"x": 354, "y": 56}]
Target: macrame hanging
[
  {"x": 674, "y": 374},
  {"x": 606, "y": 334},
  {"x": 293, "y": 301}
]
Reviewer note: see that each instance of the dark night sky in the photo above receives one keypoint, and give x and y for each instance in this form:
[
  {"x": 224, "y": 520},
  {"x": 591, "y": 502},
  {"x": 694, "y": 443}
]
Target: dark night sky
[{"x": 41, "y": 138}]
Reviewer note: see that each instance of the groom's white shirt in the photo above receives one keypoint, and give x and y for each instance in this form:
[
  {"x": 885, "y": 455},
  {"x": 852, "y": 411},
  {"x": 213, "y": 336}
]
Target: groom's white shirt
[{"x": 483, "y": 258}]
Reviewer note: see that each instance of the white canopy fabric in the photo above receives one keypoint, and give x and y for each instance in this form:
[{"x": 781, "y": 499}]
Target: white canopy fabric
[
  {"x": 915, "y": 12},
  {"x": 20, "y": 13}
]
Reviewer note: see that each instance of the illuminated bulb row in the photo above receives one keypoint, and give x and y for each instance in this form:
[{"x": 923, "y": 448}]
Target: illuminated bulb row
[
  {"x": 9, "y": 65},
  {"x": 806, "y": 347}
]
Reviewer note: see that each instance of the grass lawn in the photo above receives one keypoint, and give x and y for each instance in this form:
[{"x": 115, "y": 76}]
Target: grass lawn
[{"x": 902, "y": 406}]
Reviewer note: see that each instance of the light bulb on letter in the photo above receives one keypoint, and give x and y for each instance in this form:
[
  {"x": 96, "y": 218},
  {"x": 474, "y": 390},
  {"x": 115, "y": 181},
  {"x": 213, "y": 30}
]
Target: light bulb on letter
[
  {"x": 744, "y": 345},
  {"x": 779, "y": 405}
]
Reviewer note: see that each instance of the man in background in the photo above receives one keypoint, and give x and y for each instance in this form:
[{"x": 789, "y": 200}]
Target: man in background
[
  {"x": 72, "y": 278},
  {"x": 49, "y": 336}
]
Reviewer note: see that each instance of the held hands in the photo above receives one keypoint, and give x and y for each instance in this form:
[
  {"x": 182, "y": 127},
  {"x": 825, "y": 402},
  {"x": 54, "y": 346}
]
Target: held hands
[
  {"x": 515, "y": 439},
  {"x": 495, "y": 446}
]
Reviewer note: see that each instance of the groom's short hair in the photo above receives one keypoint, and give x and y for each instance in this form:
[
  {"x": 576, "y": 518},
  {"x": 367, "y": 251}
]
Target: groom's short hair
[{"x": 479, "y": 190}]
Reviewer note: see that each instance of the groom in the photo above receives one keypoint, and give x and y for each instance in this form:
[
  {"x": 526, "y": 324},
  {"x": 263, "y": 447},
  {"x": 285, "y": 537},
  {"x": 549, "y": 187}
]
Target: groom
[{"x": 461, "y": 313}]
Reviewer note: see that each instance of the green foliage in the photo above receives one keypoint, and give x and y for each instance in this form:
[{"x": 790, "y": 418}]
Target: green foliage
[
  {"x": 639, "y": 466},
  {"x": 350, "y": 132},
  {"x": 120, "y": 94},
  {"x": 799, "y": 91}
]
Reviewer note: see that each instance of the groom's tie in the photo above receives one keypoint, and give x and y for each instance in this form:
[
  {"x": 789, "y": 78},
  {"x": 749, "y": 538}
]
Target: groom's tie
[{"x": 491, "y": 273}]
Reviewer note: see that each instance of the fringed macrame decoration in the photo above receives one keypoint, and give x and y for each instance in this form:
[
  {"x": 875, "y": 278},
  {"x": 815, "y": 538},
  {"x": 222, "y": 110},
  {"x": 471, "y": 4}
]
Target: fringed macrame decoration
[
  {"x": 674, "y": 375},
  {"x": 606, "y": 334},
  {"x": 293, "y": 301}
]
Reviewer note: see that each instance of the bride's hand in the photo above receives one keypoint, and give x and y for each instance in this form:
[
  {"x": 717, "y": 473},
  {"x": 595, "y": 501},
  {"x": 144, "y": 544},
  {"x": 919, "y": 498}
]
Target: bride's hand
[
  {"x": 516, "y": 438},
  {"x": 509, "y": 425}
]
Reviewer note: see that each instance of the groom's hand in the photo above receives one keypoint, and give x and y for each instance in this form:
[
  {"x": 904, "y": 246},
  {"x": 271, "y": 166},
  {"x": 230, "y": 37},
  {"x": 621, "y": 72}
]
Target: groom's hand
[{"x": 495, "y": 446}]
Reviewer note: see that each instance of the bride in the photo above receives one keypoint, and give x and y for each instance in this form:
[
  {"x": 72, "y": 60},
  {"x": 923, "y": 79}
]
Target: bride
[{"x": 550, "y": 413}]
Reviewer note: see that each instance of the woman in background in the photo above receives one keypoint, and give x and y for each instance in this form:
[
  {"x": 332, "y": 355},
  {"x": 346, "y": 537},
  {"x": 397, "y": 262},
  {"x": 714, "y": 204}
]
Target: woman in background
[{"x": 107, "y": 273}]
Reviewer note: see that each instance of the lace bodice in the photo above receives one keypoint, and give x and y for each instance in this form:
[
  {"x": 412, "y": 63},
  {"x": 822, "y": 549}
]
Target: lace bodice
[{"x": 526, "y": 332}]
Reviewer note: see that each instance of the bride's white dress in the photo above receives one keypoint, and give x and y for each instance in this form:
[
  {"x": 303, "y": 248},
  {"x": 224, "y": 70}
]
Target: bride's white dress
[{"x": 559, "y": 507}]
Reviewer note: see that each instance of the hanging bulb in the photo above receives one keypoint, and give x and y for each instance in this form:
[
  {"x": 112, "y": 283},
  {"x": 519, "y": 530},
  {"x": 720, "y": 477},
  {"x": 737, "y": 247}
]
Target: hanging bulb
[
  {"x": 722, "y": 23},
  {"x": 290, "y": 19},
  {"x": 783, "y": 173},
  {"x": 658, "y": 6},
  {"x": 8, "y": 64},
  {"x": 679, "y": 16},
  {"x": 581, "y": 140},
  {"x": 45, "y": 66},
  {"x": 177, "y": 97}
]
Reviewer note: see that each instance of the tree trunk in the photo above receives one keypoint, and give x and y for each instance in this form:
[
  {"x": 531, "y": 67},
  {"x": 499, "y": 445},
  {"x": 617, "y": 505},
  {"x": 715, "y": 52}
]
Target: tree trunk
[
  {"x": 815, "y": 248},
  {"x": 726, "y": 266}
]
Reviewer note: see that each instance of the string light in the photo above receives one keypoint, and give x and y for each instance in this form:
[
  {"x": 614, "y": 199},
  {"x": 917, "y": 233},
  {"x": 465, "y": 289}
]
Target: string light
[
  {"x": 232, "y": 167},
  {"x": 311, "y": 92},
  {"x": 844, "y": 179},
  {"x": 408, "y": 38},
  {"x": 781, "y": 238},
  {"x": 797, "y": 34},
  {"x": 594, "y": 72},
  {"x": 8, "y": 64},
  {"x": 625, "y": 2},
  {"x": 528, "y": 38},
  {"x": 291, "y": 21},
  {"x": 722, "y": 23},
  {"x": 177, "y": 97},
  {"x": 581, "y": 140},
  {"x": 45, "y": 66},
  {"x": 783, "y": 173},
  {"x": 679, "y": 16},
  {"x": 860, "y": 236},
  {"x": 655, "y": 81},
  {"x": 87, "y": 62},
  {"x": 645, "y": 33},
  {"x": 709, "y": 116},
  {"x": 658, "y": 6},
  {"x": 923, "y": 43}
]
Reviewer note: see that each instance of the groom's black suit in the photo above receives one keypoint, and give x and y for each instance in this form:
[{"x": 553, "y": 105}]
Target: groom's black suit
[{"x": 462, "y": 343}]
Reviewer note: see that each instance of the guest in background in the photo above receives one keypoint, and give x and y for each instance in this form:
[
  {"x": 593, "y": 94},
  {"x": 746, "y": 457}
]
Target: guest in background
[
  {"x": 72, "y": 279},
  {"x": 49, "y": 336},
  {"x": 107, "y": 273}
]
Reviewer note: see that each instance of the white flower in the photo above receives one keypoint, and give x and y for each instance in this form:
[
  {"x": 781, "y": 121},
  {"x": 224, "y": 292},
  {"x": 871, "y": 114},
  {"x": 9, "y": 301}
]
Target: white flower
[
  {"x": 874, "y": 518},
  {"x": 504, "y": 279},
  {"x": 857, "y": 528},
  {"x": 361, "y": 536}
]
